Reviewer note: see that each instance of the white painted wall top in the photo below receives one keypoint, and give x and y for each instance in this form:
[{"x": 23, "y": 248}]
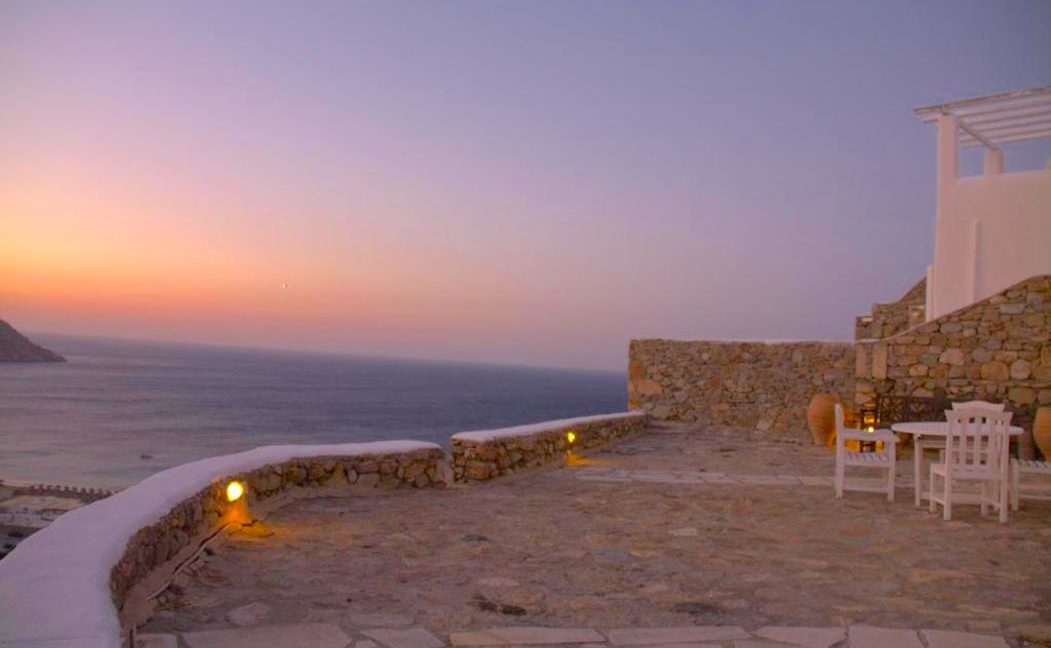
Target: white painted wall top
[
  {"x": 994, "y": 230},
  {"x": 484, "y": 436},
  {"x": 55, "y": 586}
]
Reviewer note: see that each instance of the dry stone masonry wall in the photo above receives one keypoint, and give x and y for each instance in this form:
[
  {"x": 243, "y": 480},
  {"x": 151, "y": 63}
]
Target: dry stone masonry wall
[
  {"x": 478, "y": 456},
  {"x": 758, "y": 385},
  {"x": 893, "y": 318},
  {"x": 92, "y": 573},
  {"x": 202, "y": 514},
  {"x": 996, "y": 349},
  {"x": 128, "y": 545}
]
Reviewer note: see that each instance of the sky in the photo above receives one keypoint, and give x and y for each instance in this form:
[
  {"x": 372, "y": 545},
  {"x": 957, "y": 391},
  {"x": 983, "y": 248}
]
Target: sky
[{"x": 514, "y": 182}]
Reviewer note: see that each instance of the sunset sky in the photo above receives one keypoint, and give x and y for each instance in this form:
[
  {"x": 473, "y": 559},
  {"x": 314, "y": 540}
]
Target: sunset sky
[{"x": 530, "y": 182}]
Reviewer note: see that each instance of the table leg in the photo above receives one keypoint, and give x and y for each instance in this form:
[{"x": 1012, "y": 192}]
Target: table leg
[
  {"x": 917, "y": 462},
  {"x": 1005, "y": 460}
]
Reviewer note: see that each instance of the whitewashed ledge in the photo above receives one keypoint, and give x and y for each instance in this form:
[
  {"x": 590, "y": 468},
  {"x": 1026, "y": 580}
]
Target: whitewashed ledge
[
  {"x": 64, "y": 585},
  {"x": 485, "y": 454}
]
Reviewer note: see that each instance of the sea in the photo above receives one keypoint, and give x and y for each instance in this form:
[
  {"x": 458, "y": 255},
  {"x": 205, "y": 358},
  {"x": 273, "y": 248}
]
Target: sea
[{"x": 121, "y": 410}]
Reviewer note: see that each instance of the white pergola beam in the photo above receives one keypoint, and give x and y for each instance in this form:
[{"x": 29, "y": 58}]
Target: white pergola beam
[
  {"x": 990, "y": 102},
  {"x": 975, "y": 135},
  {"x": 967, "y": 142},
  {"x": 997, "y": 119},
  {"x": 1008, "y": 115}
]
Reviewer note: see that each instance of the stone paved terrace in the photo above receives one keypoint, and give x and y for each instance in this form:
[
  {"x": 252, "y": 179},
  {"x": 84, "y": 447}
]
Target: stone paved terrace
[{"x": 679, "y": 537}]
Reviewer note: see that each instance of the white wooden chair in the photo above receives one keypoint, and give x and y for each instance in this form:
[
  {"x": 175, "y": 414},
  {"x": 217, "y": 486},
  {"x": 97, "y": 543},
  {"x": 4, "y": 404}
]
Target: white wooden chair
[
  {"x": 883, "y": 460},
  {"x": 975, "y": 451},
  {"x": 978, "y": 405},
  {"x": 1021, "y": 467},
  {"x": 934, "y": 443}
]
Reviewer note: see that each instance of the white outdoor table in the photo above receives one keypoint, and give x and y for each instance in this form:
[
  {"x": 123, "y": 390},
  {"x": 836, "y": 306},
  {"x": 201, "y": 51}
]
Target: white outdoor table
[{"x": 933, "y": 429}]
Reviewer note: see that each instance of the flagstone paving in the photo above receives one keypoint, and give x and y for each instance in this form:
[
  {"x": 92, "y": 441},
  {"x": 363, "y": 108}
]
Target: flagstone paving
[
  {"x": 326, "y": 635},
  {"x": 652, "y": 542}
]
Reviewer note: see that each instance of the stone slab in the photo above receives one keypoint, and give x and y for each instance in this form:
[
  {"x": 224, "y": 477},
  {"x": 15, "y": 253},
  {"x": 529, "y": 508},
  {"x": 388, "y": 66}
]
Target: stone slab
[
  {"x": 684, "y": 645},
  {"x": 602, "y": 478},
  {"x": 525, "y": 636},
  {"x": 803, "y": 636},
  {"x": 714, "y": 478},
  {"x": 315, "y": 635},
  {"x": 380, "y": 620},
  {"x": 761, "y": 643},
  {"x": 688, "y": 634},
  {"x": 248, "y": 615},
  {"x": 153, "y": 640},
  {"x": 816, "y": 481},
  {"x": 768, "y": 480},
  {"x": 951, "y": 639},
  {"x": 685, "y": 532},
  {"x": 1035, "y": 633},
  {"x": 404, "y": 637},
  {"x": 871, "y": 637}
]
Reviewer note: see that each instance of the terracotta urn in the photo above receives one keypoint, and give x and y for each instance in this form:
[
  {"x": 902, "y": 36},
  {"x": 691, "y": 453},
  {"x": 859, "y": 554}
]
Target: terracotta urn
[
  {"x": 821, "y": 417},
  {"x": 1042, "y": 431}
]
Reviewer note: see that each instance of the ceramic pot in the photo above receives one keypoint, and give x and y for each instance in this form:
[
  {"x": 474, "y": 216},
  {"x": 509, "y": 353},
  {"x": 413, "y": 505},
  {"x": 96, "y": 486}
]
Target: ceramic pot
[
  {"x": 1042, "y": 431},
  {"x": 821, "y": 417}
]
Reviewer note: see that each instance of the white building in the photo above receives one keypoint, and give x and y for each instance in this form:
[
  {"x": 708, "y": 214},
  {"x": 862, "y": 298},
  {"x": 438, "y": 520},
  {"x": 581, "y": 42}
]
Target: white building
[{"x": 992, "y": 230}]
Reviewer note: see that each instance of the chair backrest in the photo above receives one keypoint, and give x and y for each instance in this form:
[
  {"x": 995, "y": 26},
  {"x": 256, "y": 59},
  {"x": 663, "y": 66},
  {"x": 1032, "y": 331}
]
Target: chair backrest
[
  {"x": 979, "y": 405},
  {"x": 976, "y": 438}
]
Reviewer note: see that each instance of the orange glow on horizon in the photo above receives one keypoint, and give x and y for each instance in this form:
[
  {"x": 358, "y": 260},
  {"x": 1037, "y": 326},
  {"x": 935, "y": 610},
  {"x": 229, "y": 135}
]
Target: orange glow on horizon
[{"x": 77, "y": 250}]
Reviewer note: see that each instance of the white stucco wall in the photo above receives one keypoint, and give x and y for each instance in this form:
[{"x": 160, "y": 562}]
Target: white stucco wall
[{"x": 995, "y": 231}]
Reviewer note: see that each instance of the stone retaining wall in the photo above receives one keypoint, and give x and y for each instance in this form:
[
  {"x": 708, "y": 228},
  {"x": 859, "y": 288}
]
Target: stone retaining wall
[
  {"x": 759, "y": 385},
  {"x": 997, "y": 349},
  {"x": 893, "y": 318},
  {"x": 201, "y": 514},
  {"x": 87, "y": 577},
  {"x": 478, "y": 456}
]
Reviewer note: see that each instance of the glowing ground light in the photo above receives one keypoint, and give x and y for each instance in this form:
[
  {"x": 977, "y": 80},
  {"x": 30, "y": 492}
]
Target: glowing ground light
[
  {"x": 234, "y": 491},
  {"x": 571, "y": 437}
]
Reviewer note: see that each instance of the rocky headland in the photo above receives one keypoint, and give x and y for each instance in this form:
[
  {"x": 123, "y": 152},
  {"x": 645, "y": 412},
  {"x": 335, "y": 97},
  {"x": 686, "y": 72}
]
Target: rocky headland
[{"x": 15, "y": 347}]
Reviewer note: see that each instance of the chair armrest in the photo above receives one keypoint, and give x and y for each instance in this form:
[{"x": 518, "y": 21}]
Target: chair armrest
[{"x": 886, "y": 436}]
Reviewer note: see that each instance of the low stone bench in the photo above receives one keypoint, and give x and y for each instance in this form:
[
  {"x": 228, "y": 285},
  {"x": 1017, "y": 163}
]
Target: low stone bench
[
  {"x": 485, "y": 454},
  {"x": 85, "y": 579}
]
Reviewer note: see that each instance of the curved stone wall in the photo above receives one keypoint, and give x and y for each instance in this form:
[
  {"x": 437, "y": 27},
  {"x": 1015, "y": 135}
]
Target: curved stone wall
[
  {"x": 71, "y": 584},
  {"x": 485, "y": 454}
]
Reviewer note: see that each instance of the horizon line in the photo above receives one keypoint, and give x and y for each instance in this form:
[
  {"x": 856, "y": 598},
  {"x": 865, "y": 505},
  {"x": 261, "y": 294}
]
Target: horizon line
[{"x": 327, "y": 353}]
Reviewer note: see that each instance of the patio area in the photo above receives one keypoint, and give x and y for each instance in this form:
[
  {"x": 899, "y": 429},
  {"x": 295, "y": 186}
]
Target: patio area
[{"x": 683, "y": 529}]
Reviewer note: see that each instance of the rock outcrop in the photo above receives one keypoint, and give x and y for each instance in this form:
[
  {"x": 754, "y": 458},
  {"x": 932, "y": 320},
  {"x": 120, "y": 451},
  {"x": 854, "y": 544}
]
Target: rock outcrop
[{"x": 15, "y": 347}]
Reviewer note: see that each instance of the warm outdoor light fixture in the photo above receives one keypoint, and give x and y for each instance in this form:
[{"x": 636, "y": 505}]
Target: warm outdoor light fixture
[
  {"x": 234, "y": 491},
  {"x": 571, "y": 436}
]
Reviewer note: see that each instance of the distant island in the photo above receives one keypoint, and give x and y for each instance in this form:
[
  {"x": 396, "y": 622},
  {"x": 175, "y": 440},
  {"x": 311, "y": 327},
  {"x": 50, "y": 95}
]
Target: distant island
[{"x": 15, "y": 347}]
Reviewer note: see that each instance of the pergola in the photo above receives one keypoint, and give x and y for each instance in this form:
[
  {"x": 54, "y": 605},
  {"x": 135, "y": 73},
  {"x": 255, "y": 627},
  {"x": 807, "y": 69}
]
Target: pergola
[
  {"x": 997, "y": 119},
  {"x": 988, "y": 121},
  {"x": 970, "y": 261}
]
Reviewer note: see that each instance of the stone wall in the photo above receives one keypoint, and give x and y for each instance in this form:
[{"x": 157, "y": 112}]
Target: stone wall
[
  {"x": 478, "y": 456},
  {"x": 91, "y": 573},
  {"x": 996, "y": 349},
  {"x": 890, "y": 319},
  {"x": 759, "y": 385},
  {"x": 200, "y": 515}
]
